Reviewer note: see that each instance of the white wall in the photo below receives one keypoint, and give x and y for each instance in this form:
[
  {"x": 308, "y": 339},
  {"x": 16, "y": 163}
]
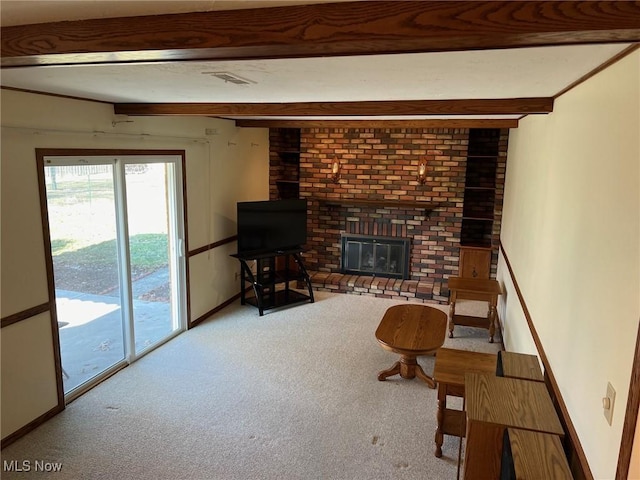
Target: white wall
[
  {"x": 28, "y": 372},
  {"x": 221, "y": 169},
  {"x": 516, "y": 335},
  {"x": 571, "y": 231}
]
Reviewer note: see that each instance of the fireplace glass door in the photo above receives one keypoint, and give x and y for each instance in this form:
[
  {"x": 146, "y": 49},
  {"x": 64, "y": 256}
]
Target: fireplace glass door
[{"x": 375, "y": 256}]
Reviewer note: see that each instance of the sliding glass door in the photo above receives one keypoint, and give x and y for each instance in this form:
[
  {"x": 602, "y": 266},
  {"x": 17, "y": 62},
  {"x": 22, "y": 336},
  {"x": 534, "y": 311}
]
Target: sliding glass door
[{"x": 116, "y": 237}]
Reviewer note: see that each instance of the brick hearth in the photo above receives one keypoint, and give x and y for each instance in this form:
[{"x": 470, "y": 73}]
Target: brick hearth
[{"x": 379, "y": 287}]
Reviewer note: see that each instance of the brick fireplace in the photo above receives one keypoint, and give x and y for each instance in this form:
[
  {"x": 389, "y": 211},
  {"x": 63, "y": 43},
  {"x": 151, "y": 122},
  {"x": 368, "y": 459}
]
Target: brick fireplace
[{"x": 378, "y": 194}]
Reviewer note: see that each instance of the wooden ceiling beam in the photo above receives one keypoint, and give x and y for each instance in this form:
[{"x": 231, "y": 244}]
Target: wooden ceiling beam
[
  {"x": 500, "y": 106},
  {"x": 348, "y": 28},
  {"x": 427, "y": 123}
]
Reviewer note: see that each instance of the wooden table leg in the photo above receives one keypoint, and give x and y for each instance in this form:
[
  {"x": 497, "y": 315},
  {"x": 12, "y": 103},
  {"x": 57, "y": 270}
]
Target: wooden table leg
[
  {"x": 442, "y": 405},
  {"x": 492, "y": 321},
  {"x": 394, "y": 370},
  {"x": 424, "y": 377},
  {"x": 452, "y": 312},
  {"x": 408, "y": 368}
]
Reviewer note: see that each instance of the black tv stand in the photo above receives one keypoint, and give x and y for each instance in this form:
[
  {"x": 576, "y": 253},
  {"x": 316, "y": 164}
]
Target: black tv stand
[{"x": 271, "y": 282}]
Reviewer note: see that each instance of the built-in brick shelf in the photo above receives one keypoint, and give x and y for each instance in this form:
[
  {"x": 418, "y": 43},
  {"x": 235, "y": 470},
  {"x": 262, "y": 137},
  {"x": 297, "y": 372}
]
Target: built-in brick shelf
[{"x": 425, "y": 291}]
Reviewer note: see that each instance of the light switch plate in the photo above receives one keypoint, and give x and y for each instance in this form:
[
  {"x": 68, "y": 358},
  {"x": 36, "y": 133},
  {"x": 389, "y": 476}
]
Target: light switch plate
[{"x": 608, "y": 402}]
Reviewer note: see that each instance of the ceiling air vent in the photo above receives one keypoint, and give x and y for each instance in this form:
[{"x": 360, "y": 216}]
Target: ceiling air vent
[{"x": 230, "y": 78}]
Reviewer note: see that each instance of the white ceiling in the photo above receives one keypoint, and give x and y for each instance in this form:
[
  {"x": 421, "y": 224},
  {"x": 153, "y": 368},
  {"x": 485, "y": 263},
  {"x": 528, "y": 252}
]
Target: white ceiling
[{"x": 480, "y": 74}]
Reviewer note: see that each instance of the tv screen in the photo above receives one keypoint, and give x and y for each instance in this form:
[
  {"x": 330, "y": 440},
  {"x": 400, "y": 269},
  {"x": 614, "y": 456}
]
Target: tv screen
[{"x": 271, "y": 226}]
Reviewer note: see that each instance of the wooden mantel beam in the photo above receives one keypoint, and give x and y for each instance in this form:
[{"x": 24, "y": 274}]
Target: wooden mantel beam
[
  {"x": 417, "y": 123},
  {"x": 507, "y": 106},
  {"x": 348, "y": 28}
]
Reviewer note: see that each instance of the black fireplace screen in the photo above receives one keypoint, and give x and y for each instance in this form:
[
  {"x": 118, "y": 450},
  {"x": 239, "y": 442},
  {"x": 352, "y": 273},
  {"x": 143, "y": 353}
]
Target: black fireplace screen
[{"x": 375, "y": 256}]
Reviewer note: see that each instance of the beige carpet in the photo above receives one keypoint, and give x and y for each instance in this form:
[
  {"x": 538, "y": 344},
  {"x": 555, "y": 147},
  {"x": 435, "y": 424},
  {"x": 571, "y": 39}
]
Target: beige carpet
[{"x": 290, "y": 395}]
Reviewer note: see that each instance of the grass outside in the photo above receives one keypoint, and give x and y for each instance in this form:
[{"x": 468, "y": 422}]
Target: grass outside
[
  {"x": 94, "y": 269},
  {"x": 82, "y": 224}
]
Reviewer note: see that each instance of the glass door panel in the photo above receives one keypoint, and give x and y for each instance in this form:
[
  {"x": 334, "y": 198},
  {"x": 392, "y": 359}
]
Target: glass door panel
[
  {"x": 153, "y": 239},
  {"x": 83, "y": 229}
]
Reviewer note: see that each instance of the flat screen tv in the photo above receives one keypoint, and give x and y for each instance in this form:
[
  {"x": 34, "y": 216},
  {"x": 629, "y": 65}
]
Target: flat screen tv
[{"x": 271, "y": 226}]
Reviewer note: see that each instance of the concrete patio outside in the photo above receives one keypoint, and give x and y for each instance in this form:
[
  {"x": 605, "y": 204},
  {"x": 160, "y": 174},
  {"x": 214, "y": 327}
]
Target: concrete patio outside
[{"x": 91, "y": 328}]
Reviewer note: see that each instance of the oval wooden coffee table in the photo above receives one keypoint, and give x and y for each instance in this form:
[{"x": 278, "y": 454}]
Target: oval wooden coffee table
[{"x": 410, "y": 331}]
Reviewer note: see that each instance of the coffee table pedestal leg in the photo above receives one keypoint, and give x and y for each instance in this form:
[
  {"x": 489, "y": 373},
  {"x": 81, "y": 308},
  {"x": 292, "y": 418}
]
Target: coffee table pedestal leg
[
  {"x": 408, "y": 368},
  {"x": 394, "y": 370}
]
